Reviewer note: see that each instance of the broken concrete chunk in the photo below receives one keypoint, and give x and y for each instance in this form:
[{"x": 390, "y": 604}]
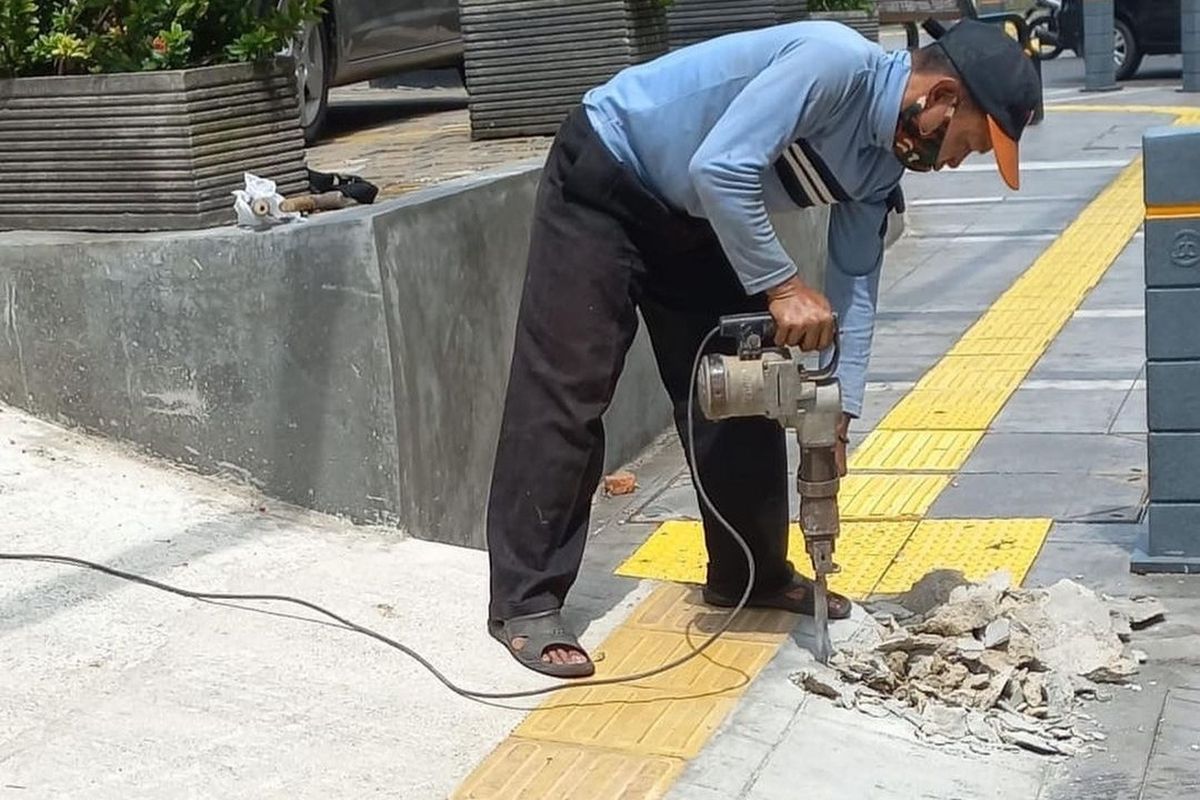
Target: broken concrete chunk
[
  {"x": 1119, "y": 670},
  {"x": 978, "y": 681},
  {"x": 1141, "y": 611},
  {"x": 1060, "y": 694},
  {"x": 897, "y": 662},
  {"x": 986, "y": 664},
  {"x": 1074, "y": 633},
  {"x": 991, "y": 696},
  {"x": 931, "y": 591},
  {"x": 1022, "y": 648},
  {"x": 1034, "y": 688},
  {"x": 909, "y": 643},
  {"x": 944, "y": 721},
  {"x": 820, "y": 680},
  {"x": 977, "y": 607},
  {"x": 979, "y": 727},
  {"x": 1013, "y": 721},
  {"x": 1121, "y": 627},
  {"x": 1013, "y": 693},
  {"x": 996, "y": 633},
  {"x": 1032, "y": 742},
  {"x": 888, "y": 609},
  {"x": 968, "y": 647},
  {"x": 953, "y": 676}
]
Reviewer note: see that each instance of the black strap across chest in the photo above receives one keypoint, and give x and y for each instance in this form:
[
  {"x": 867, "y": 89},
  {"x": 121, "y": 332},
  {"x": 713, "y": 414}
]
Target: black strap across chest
[{"x": 807, "y": 179}]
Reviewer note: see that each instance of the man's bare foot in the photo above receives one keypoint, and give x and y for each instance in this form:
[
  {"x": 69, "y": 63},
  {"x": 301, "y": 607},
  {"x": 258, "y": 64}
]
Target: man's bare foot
[
  {"x": 554, "y": 655},
  {"x": 544, "y": 644}
]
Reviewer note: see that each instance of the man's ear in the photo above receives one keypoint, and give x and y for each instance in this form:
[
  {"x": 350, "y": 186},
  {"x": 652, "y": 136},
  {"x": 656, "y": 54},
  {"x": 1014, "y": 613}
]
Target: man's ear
[{"x": 943, "y": 95}]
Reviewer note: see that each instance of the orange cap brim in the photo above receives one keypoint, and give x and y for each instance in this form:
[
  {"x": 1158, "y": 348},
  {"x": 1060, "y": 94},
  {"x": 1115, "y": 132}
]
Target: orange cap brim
[{"x": 1005, "y": 150}]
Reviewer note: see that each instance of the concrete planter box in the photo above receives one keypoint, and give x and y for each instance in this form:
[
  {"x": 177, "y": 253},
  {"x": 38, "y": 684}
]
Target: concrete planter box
[
  {"x": 866, "y": 23},
  {"x": 692, "y": 21},
  {"x": 529, "y": 62},
  {"x": 791, "y": 11},
  {"x": 145, "y": 151}
]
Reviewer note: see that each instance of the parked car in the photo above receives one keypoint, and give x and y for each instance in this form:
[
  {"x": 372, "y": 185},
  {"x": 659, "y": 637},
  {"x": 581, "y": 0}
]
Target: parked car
[
  {"x": 1140, "y": 28},
  {"x": 357, "y": 40}
]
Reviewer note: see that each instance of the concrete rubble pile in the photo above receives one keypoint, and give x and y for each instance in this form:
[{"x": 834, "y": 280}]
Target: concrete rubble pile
[{"x": 989, "y": 665}]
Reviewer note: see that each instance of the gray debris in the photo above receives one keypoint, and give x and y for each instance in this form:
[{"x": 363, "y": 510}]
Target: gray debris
[
  {"x": 987, "y": 664},
  {"x": 826, "y": 683},
  {"x": 1140, "y": 611},
  {"x": 1038, "y": 744},
  {"x": 883, "y": 610},
  {"x": 931, "y": 591},
  {"x": 947, "y": 721},
  {"x": 996, "y": 633}
]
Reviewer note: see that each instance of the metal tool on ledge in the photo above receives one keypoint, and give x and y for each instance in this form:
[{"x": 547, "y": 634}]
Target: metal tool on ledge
[{"x": 774, "y": 382}]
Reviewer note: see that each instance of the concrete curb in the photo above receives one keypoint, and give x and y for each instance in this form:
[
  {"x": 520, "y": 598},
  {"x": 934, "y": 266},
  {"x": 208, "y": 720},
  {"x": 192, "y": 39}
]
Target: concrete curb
[{"x": 340, "y": 364}]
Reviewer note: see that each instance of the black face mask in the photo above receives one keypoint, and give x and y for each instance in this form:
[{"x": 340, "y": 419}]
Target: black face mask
[{"x": 919, "y": 151}]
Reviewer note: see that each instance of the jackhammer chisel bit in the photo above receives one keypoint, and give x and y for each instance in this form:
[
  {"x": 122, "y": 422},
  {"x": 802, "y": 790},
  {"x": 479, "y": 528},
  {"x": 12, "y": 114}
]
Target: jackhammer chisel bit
[{"x": 773, "y": 382}]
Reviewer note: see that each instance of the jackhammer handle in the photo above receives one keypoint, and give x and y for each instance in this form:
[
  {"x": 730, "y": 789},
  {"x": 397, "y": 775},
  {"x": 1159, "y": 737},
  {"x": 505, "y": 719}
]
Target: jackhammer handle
[
  {"x": 742, "y": 326},
  {"x": 762, "y": 325}
]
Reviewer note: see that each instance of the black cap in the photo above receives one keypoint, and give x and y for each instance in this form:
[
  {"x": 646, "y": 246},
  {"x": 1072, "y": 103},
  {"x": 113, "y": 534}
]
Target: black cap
[{"x": 1002, "y": 81}]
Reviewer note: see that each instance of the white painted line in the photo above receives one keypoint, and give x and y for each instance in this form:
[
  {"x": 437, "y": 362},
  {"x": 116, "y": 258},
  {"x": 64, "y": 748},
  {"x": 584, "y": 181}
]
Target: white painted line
[
  {"x": 1043, "y": 166},
  {"x": 987, "y": 238},
  {"x": 1082, "y": 384},
  {"x": 1085, "y": 98},
  {"x": 988, "y": 199},
  {"x": 1110, "y": 313}
]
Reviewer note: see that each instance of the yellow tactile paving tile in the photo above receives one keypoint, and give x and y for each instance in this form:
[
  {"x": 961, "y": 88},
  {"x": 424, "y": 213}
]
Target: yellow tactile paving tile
[
  {"x": 679, "y": 608},
  {"x": 987, "y": 372},
  {"x": 675, "y": 552},
  {"x": 915, "y": 451},
  {"x": 1032, "y": 345},
  {"x": 889, "y": 497},
  {"x": 977, "y": 548},
  {"x": 524, "y": 768},
  {"x": 946, "y": 409},
  {"x": 671, "y": 714}
]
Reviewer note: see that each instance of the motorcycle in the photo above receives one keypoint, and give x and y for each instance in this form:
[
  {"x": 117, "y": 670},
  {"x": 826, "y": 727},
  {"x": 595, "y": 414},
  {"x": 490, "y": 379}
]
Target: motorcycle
[{"x": 1042, "y": 20}]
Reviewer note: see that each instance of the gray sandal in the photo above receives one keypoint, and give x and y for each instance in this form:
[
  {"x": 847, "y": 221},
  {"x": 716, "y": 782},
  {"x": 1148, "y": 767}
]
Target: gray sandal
[{"x": 540, "y": 631}]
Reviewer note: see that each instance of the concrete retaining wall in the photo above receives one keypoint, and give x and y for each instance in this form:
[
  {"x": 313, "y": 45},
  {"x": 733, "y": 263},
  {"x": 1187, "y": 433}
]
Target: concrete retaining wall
[{"x": 355, "y": 363}]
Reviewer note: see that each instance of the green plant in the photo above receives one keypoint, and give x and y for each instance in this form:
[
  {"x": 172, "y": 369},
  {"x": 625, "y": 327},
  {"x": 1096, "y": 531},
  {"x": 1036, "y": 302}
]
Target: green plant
[
  {"x": 65, "y": 37},
  {"x": 18, "y": 31},
  {"x": 841, "y": 5}
]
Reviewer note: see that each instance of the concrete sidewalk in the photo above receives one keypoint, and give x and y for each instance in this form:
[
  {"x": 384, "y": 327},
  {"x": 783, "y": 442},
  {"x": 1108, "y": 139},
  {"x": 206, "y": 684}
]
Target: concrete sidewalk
[{"x": 112, "y": 690}]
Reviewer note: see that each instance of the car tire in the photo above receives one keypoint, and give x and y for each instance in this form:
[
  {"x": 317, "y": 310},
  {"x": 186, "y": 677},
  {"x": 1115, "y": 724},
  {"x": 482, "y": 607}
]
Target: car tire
[
  {"x": 314, "y": 67},
  {"x": 1126, "y": 67},
  {"x": 1044, "y": 21}
]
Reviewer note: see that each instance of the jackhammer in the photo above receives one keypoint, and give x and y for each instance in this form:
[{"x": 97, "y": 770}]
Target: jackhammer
[{"x": 774, "y": 382}]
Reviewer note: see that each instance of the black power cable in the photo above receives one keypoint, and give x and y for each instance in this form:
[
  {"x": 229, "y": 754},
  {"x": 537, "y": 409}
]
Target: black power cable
[{"x": 416, "y": 656}]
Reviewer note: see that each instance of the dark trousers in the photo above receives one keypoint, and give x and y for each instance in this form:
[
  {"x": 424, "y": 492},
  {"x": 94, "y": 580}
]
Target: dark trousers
[{"x": 602, "y": 248}]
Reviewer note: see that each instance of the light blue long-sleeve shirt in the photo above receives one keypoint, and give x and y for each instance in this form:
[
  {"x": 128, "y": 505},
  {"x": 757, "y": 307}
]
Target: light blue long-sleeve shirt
[{"x": 736, "y": 127}]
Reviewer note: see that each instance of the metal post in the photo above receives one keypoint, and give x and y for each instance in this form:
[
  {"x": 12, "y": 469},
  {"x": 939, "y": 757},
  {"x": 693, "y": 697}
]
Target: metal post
[
  {"x": 1172, "y": 269},
  {"x": 1190, "y": 42},
  {"x": 1098, "y": 23}
]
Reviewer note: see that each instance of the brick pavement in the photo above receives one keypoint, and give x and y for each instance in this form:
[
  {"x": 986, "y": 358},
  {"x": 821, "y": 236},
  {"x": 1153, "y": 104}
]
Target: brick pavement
[{"x": 406, "y": 139}]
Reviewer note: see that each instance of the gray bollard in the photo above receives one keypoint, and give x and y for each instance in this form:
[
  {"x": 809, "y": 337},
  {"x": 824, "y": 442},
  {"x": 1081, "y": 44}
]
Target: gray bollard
[
  {"x": 1172, "y": 269},
  {"x": 1098, "y": 46},
  {"x": 1190, "y": 42}
]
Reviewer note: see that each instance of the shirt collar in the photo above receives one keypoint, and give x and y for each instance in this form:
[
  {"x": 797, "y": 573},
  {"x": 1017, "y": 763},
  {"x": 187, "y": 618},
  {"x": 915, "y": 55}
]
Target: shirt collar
[{"x": 891, "y": 79}]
